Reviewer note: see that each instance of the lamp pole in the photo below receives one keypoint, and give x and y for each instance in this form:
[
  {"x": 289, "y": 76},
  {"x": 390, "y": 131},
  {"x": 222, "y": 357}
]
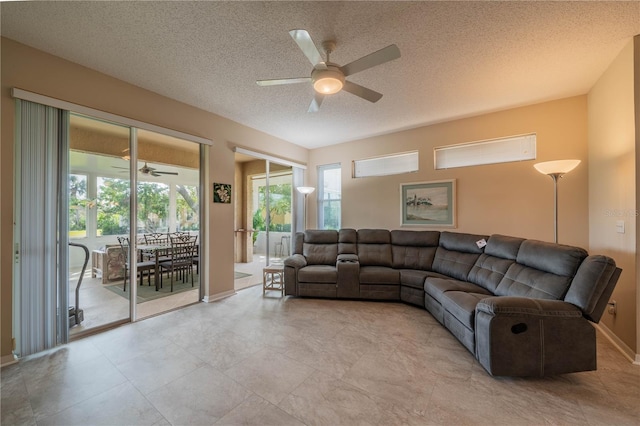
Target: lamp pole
[
  {"x": 555, "y": 177},
  {"x": 555, "y": 170},
  {"x": 305, "y": 190}
]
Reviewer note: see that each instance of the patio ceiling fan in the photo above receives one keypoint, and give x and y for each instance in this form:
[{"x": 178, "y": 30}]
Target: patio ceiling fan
[
  {"x": 328, "y": 77},
  {"x": 146, "y": 170}
]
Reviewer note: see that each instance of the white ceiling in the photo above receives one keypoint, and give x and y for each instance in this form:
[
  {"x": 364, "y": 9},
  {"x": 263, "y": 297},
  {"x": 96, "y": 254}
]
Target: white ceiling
[{"x": 458, "y": 58}]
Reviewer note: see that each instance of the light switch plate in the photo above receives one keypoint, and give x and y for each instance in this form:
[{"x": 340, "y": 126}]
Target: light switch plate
[{"x": 620, "y": 226}]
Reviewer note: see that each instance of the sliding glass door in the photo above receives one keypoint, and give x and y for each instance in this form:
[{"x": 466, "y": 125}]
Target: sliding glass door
[
  {"x": 99, "y": 219},
  {"x": 264, "y": 216},
  {"x": 130, "y": 243}
]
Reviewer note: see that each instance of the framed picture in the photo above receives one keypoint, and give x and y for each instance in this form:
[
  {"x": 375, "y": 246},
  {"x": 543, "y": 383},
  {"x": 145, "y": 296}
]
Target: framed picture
[
  {"x": 428, "y": 203},
  {"x": 222, "y": 193}
]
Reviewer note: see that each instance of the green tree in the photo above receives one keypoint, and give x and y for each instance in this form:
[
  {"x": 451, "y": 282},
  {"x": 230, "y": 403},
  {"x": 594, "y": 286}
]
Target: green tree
[
  {"x": 153, "y": 206},
  {"x": 77, "y": 203},
  {"x": 188, "y": 206},
  {"x": 113, "y": 206},
  {"x": 279, "y": 206}
]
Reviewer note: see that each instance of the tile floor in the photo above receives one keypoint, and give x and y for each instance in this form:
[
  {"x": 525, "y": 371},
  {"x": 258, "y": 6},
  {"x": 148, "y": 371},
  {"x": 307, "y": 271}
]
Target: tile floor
[{"x": 250, "y": 359}]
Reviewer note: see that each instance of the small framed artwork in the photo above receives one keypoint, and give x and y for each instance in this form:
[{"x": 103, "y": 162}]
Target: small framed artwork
[
  {"x": 428, "y": 203},
  {"x": 222, "y": 193}
]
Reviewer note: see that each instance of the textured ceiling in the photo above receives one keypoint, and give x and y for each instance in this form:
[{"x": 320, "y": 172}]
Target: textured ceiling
[{"x": 458, "y": 58}]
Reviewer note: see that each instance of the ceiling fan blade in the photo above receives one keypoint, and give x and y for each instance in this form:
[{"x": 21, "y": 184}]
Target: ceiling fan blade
[
  {"x": 387, "y": 54},
  {"x": 154, "y": 174},
  {"x": 165, "y": 173},
  {"x": 118, "y": 167},
  {"x": 308, "y": 47},
  {"x": 361, "y": 91},
  {"x": 280, "y": 81},
  {"x": 316, "y": 102}
]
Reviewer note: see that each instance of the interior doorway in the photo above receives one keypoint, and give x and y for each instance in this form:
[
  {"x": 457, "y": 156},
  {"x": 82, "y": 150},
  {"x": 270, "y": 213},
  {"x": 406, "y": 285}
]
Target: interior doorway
[{"x": 264, "y": 216}]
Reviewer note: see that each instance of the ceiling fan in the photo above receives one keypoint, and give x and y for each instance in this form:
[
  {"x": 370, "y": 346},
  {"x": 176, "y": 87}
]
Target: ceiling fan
[
  {"x": 146, "y": 170},
  {"x": 328, "y": 77}
]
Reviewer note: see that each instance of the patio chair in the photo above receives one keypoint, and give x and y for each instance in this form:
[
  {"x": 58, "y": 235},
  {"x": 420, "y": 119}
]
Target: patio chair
[
  {"x": 183, "y": 250},
  {"x": 141, "y": 266}
]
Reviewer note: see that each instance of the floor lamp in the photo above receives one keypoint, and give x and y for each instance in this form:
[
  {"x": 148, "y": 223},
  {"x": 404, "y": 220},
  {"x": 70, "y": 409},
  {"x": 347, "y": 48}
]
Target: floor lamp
[
  {"x": 555, "y": 170},
  {"x": 306, "y": 190}
]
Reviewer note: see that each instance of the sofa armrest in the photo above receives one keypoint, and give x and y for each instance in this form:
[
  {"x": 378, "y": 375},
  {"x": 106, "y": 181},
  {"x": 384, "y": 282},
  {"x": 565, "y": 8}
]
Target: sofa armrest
[
  {"x": 523, "y": 306},
  {"x": 348, "y": 268},
  {"x": 518, "y": 336},
  {"x": 347, "y": 258},
  {"x": 296, "y": 261},
  {"x": 292, "y": 265}
]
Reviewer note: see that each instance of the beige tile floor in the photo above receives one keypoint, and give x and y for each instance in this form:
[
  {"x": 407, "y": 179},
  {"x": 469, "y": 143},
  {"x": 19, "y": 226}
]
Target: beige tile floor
[{"x": 257, "y": 360}]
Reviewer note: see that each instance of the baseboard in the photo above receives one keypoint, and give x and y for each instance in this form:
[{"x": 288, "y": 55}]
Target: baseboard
[
  {"x": 8, "y": 360},
  {"x": 219, "y": 296},
  {"x": 625, "y": 350}
]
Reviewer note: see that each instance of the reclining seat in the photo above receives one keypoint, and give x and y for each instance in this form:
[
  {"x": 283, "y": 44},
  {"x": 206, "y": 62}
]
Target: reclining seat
[
  {"x": 459, "y": 305},
  {"x": 378, "y": 280},
  {"x": 413, "y": 254},
  {"x": 540, "y": 324},
  {"x": 454, "y": 258},
  {"x": 311, "y": 270}
]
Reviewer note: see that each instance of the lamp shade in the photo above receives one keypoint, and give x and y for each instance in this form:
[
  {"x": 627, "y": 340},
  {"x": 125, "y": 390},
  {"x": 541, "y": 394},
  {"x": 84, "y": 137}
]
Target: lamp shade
[
  {"x": 305, "y": 189},
  {"x": 558, "y": 167}
]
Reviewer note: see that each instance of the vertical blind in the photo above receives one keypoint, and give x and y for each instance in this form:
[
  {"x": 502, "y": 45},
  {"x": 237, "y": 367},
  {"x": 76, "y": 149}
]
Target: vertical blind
[{"x": 41, "y": 231}]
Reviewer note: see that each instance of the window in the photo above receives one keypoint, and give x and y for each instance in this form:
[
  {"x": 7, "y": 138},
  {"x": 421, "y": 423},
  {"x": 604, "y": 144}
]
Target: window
[
  {"x": 329, "y": 196},
  {"x": 113, "y": 206},
  {"x": 187, "y": 204},
  {"x": 77, "y": 206},
  {"x": 503, "y": 150},
  {"x": 153, "y": 207},
  {"x": 386, "y": 165}
]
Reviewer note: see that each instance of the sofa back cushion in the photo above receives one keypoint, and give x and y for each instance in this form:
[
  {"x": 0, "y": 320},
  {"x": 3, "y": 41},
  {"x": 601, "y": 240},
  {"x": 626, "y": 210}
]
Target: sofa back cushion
[
  {"x": 414, "y": 249},
  {"x": 374, "y": 247},
  {"x": 542, "y": 270},
  {"x": 320, "y": 247},
  {"x": 347, "y": 239},
  {"x": 456, "y": 254},
  {"x": 490, "y": 268}
]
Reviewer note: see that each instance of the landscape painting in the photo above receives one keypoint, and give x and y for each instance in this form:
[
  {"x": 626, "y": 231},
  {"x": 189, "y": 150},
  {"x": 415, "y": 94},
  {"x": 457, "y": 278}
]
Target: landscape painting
[{"x": 428, "y": 203}]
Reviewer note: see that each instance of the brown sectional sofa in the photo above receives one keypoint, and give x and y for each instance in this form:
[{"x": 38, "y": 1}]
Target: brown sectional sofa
[{"x": 522, "y": 307}]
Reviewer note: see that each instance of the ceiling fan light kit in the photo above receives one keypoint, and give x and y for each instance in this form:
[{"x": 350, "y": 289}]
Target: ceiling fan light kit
[
  {"x": 329, "y": 78},
  {"x": 329, "y": 81}
]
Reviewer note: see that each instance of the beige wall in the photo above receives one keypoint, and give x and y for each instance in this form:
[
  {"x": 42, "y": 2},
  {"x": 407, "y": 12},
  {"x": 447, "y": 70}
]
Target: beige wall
[
  {"x": 612, "y": 185},
  {"x": 512, "y": 199},
  {"x": 38, "y": 72}
]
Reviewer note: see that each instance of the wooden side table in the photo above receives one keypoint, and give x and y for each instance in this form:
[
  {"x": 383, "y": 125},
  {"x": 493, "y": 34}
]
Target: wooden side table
[{"x": 273, "y": 278}]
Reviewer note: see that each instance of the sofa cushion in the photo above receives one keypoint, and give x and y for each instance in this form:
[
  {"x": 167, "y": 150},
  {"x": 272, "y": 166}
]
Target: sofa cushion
[
  {"x": 318, "y": 274},
  {"x": 521, "y": 280},
  {"x": 549, "y": 257},
  {"x": 503, "y": 246},
  {"x": 379, "y": 275},
  {"x": 413, "y": 278},
  {"x": 462, "y": 306},
  {"x": 414, "y": 249},
  {"x": 374, "y": 247},
  {"x": 413, "y": 257},
  {"x": 320, "y": 254},
  {"x": 347, "y": 239},
  {"x": 488, "y": 271},
  {"x": 321, "y": 236},
  {"x": 436, "y": 287},
  {"x": 374, "y": 236},
  {"x": 465, "y": 243},
  {"x": 454, "y": 264}
]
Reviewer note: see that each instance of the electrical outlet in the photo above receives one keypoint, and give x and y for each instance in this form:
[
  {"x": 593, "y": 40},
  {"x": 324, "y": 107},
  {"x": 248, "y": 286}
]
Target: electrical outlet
[{"x": 612, "y": 307}]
